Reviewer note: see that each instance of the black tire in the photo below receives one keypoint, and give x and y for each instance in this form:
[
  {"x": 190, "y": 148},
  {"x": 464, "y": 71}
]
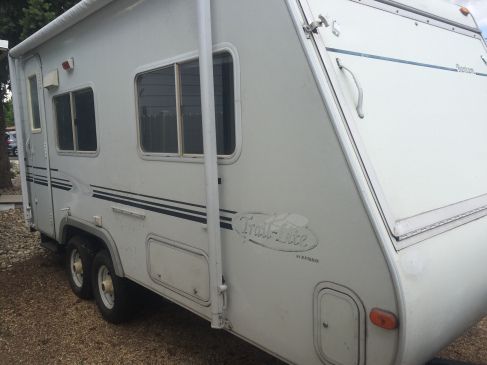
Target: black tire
[
  {"x": 122, "y": 304},
  {"x": 77, "y": 248}
]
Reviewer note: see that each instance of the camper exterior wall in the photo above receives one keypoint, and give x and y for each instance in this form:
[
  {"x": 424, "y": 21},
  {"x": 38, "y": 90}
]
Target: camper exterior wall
[
  {"x": 270, "y": 291},
  {"x": 294, "y": 165}
]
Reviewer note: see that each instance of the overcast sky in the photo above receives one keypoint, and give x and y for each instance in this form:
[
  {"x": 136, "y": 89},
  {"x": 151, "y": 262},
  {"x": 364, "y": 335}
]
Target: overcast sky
[{"x": 479, "y": 11}]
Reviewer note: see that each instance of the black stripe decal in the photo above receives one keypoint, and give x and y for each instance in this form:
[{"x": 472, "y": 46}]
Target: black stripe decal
[
  {"x": 160, "y": 210},
  {"x": 61, "y": 187},
  {"x": 43, "y": 182},
  {"x": 146, "y": 205},
  {"x": 226, "y": 226},
  {"x": 40, "y": 168},
  {"x": 152, "y": 208},
  {"x": 152, "y": 203},
  {"x": 37, "y": 167},
  {"x": 396, "y": 60},
  {"x": 61, "y": 184},
  {"x": 57, "y": 178},
  {"x": 157, "y": 198},
  {"x": 183, "y": 210},
  {"x": 151, "y": 197},
  {"x": 40, "y": 183}
]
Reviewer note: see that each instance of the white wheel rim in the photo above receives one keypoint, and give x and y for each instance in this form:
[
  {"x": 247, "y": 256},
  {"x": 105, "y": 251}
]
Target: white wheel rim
[
  {"x": 76, "y": 266},
  {"x": 105, "y": 287}
]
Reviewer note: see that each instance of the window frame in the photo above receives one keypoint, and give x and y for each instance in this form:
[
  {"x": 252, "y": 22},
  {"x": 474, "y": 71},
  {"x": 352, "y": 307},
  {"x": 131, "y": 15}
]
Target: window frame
[
  {"x": 76, "y": 152},
  {"x": 29, "y": 104},
  {"x": 175, "y": 62}
]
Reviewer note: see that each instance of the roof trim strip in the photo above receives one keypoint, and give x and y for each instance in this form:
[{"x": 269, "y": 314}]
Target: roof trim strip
[
  {"x": 71, "y": 17},
  {"x": 429, "y": 15}
]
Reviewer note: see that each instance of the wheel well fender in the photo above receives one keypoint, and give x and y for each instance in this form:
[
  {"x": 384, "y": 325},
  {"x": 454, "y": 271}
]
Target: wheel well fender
[{"x": 70, "y": 226}]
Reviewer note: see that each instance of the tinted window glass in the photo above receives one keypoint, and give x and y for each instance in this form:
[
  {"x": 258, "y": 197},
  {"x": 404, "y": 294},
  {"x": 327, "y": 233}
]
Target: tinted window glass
[
  {"x": 62, "y": 106},
  {"x": 156, "y": 92},
  {"x": 224, "y": 105},
  {"x": 34, "y": 103},
  {"x": 191, "y": 108},
  {"x": 84, "y": 107}
]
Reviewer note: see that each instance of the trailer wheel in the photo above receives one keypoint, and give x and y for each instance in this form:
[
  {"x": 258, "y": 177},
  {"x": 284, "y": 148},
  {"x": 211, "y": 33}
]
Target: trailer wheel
[
  {"x": 112, "y": 293},
  {"x": 78, "y": 266}
]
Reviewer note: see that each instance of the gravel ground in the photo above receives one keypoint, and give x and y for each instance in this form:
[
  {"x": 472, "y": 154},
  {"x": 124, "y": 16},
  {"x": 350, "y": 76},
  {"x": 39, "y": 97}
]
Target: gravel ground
[
  {"x": 17, "y": 243},
  {"x": 42, "y": 322}
]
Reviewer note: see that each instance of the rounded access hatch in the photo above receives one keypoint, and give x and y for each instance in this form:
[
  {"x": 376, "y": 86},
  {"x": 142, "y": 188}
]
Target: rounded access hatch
[{"x": 339, "y": 325}]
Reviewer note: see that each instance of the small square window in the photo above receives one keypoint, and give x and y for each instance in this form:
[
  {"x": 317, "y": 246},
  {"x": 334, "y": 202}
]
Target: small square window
[{"x": 76, "y": 123}]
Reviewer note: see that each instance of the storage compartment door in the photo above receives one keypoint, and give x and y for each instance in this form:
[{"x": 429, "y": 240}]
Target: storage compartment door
[
  {"x": 180, "y": 268},
  {"x": 339, "y": 328},
  {"x": 424, "y": 125}
]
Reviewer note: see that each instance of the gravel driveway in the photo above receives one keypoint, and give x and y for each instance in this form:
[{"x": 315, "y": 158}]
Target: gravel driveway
[{"x": 42, "y": 322}]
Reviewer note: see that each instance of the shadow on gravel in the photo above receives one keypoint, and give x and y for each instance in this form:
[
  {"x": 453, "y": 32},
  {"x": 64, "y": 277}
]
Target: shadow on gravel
[{"x": 43, "y": 322}]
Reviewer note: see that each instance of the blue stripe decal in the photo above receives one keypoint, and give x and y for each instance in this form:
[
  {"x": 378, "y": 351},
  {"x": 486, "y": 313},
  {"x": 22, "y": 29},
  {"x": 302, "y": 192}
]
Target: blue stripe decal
[{"x": 397, "y": 60}]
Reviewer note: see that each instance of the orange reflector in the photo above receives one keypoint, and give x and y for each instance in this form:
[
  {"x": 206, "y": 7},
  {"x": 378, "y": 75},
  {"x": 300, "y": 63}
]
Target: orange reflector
[
  {"x": 464, "y": 10},
  {"x": 383, "y": 319}
]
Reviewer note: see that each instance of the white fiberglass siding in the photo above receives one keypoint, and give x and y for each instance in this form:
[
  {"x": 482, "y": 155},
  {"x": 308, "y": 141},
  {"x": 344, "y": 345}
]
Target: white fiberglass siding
[{"x": 423, "y": 135}]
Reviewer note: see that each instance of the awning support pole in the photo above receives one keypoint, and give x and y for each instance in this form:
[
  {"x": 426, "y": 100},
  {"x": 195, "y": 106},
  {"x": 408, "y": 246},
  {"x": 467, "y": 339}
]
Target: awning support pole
[{"x": 217, "y": 288}]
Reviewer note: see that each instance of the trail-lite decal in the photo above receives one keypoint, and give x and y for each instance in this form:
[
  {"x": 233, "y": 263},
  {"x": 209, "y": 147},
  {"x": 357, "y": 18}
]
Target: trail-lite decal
[{"x": 280, "y": 232}]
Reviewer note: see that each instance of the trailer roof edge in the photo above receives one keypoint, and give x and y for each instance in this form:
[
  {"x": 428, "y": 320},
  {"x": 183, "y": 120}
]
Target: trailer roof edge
[
  {"x": 405, "y": 6},
  {"x": 71, "y": 17}
]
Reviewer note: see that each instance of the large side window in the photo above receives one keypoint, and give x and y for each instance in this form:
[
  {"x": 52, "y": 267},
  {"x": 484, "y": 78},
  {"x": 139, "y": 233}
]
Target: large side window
[
  {"x": 169, "y": 103},
  {"x": 76, "y": 123},
  {"x": 35, "y": 118}
]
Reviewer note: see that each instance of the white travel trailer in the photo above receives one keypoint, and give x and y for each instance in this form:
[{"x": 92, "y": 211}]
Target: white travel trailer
[{"x": 338, "y": 214}]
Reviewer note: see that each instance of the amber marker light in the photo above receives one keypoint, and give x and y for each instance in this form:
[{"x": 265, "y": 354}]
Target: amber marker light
[
  {"x": 384, "y": 319},
  {"x": 464, "y": 11}
]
